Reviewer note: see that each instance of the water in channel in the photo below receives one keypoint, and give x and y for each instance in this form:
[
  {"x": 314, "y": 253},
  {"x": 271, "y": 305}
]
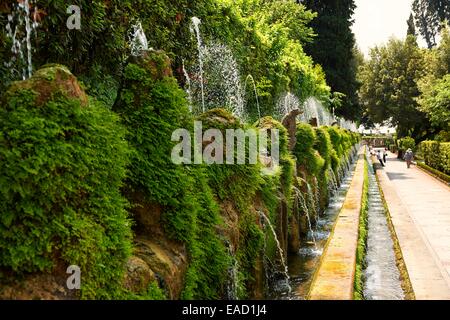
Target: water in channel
[{"x": 381, "y": 275}]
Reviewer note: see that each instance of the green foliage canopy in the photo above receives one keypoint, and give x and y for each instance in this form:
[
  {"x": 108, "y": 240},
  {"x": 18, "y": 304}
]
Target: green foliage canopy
[
  {"x": 390, "y": 89},
  {"x": 265, "y": 37},
  {"x": 435, "y": 102}
]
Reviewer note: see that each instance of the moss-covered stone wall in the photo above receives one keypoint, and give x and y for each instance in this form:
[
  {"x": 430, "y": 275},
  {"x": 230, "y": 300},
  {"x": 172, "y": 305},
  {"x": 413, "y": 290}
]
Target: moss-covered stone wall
[{"x": 98, "y": 188}]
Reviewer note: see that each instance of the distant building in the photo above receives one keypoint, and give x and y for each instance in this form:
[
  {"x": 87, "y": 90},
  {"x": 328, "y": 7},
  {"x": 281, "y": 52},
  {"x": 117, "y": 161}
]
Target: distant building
[{"x": 378, "y": 130}]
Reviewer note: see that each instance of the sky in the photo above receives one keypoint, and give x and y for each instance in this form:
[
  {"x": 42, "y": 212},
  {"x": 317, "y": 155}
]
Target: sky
[{"x": 378, "y": 20}]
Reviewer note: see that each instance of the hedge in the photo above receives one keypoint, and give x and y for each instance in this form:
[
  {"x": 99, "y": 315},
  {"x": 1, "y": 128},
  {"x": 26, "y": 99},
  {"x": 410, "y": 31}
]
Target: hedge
[
  {"x": 434, "y": 172},
  {"x": 406, "y": 143},
  {"x": 436, "y": 155}
]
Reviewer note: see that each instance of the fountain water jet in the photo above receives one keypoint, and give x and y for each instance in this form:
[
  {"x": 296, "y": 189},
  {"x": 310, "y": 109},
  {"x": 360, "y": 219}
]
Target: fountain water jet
[
  {"x": 287, "y": 103},
  {"x": 314, "y": 109},
  {"x": 19, "y": 18},
  {"x": 188, "y": 90},
  {"x": 317, "y": 198},
  {"x": 195, "y": 28},
  {"x": 280, "y": 250},
  {"x": 138, "y": 40},
  {"x": 221, "y": 74},
  {"x": 299, "y": 198},
  {"x": 333, "y": 185},
  {"x": 256, "y": 92},
  {"x": 232, "y": 284},
  {"x": 217, "y": 77},
  {"x": 312, "y": 199}
]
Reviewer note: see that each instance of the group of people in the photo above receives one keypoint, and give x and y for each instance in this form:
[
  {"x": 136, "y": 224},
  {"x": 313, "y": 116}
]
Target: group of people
[{"x": 382, "y": 157}]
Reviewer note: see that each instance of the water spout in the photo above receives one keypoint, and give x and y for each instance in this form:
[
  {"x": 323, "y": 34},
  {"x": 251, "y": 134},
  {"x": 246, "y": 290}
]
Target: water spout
[
  {"x": 21, "y": 38},
  {"x": 317, "y": 198},
  {"x": 195, "y": 28},
  {"x": 217, "y": 77},
  {"x": 286, "y": 104},
  {"x": 280, "y": 250},
  {"x": 138, "y": 40},
  {"x": 300, "y": 199},
  {"x": 333, "y": 185},
  {"x": 232, "y": 283},
  {"x": 250, "y": 77},
  {"x": 188, "y": 90}
]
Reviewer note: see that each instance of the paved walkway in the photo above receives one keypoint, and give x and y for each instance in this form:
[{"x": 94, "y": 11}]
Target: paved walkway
[
  {"x": 335, "y": 277},
  {"x": 420, "y": 209}
]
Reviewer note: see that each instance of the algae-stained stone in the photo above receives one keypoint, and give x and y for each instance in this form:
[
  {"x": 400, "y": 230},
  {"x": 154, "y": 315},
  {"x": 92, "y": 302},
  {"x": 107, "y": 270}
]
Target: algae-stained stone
[
  {"x": 168, "y": 260},
  {"x": 156, "y": 62},
  {"x": 219, "y": 118},
  {"x": 139, "y": 275},
  {"x": 41, "y": 286},
  {"x": 290, "y": 123},
  {"x": 51, "y": 82}
]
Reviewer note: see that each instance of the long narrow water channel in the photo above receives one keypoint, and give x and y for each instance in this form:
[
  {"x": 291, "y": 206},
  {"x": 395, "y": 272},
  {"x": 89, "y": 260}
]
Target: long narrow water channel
[
  {"x": 303, "y": 265},
  {"x": 381, "y": 275}
]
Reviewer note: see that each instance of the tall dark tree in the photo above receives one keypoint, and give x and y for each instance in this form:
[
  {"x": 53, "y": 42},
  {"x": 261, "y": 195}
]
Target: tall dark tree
[
  {"x": 333, "y": 49},
  {"x": 426, "y": 21},
  {"x": 429, "y": 17},
  {"x": 411, "y": 26},
  {"x": 442, "y": 9}
]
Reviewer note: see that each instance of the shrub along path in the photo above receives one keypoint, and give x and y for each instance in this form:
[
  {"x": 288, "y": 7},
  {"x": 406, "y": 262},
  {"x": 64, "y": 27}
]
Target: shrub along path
[{"x": 420, "y": 209}]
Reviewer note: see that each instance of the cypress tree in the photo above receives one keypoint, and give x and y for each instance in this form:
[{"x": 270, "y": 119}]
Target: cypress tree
[{"x": 333, "y": 49}]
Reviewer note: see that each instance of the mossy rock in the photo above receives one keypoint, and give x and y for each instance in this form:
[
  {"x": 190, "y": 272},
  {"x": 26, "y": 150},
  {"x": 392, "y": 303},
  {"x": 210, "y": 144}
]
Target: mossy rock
[
  {"x": 271, "y": 123},
  {"x": 309, "y": 160},
  {"x": 51, "y": 82},
  {"x": 323, "y": 145},
  {"x": 138, "y": 276},
  {"x": 156, "y": 62},
  {"x": 306, "y": 137},
  {"x": 167, "y": 260},
  {"x": 63, "y": 161},
  {"x": 219, "y": 118}
]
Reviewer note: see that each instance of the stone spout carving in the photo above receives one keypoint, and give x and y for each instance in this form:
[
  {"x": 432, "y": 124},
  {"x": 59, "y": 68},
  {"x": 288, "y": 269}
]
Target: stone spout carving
[{"x": 290, "y": 123}]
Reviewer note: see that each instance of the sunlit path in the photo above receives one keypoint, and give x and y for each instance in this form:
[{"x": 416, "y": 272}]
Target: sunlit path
[{"x": 425, "y": 236}]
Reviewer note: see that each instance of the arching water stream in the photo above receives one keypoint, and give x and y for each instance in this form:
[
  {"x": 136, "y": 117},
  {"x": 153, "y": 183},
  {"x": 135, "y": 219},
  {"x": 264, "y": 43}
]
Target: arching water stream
[{"x": 286, "y": 279}]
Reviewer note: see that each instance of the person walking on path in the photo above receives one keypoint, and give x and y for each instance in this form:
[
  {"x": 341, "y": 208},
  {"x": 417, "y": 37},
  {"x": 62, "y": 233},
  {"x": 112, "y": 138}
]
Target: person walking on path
[
  {"x": 409, "y": 155},
  {"x": 380, "y": 158},
  {"x": 385, "y": 154}
]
